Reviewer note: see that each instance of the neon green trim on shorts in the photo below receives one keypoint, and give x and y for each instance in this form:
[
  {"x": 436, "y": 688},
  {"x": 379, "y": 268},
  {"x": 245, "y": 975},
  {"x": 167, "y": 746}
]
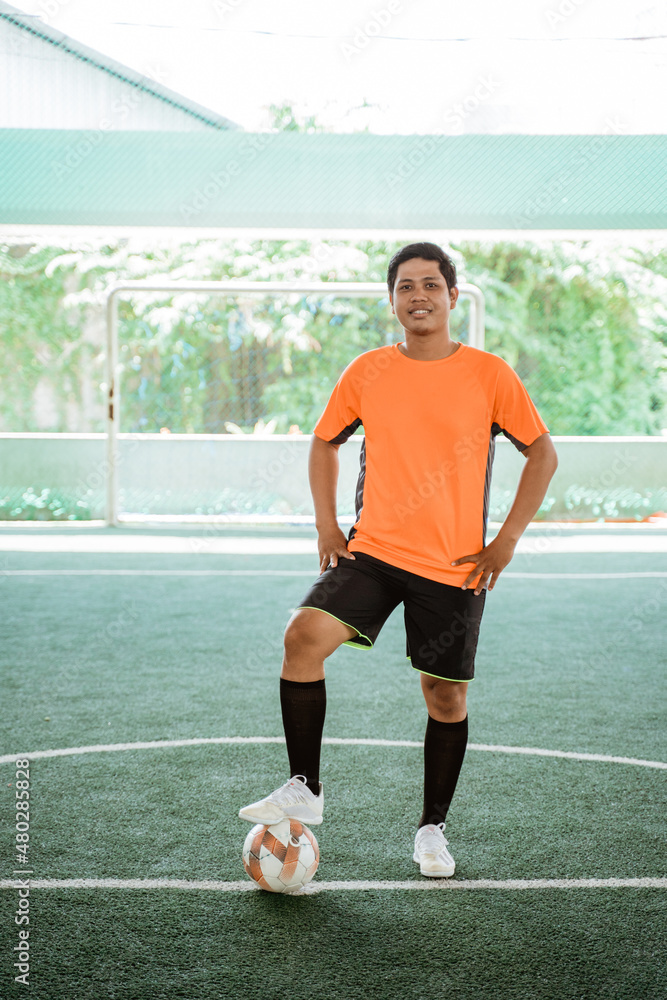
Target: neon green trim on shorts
[
  {"x": 348, "y": 642},
  {"x": 454, "y": 680}
]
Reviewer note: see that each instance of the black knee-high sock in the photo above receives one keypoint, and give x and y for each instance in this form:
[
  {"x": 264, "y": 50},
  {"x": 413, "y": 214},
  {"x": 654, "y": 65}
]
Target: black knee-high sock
[
  {"x": 444, "y": 749},
  {"x": 304, "y": 707}
]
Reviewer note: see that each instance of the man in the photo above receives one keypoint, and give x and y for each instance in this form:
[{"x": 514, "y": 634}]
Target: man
[{"x": 431, "y": 409}]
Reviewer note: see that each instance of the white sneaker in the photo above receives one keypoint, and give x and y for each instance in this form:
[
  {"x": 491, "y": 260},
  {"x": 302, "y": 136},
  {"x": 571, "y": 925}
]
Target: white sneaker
[
  {"x": 431, "y": 852},
  {"x": 293, "y": 800}
]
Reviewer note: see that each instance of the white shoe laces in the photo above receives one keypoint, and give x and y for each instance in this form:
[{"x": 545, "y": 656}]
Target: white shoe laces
[
  {"x": 294, "y": 790},
  {"x": 432, "y": 841}
]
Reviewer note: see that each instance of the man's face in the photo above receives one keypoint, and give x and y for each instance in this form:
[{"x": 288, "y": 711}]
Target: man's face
[{"x": 421, "y": 300}]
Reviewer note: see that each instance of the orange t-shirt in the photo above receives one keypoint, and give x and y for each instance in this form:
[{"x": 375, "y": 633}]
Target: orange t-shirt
[{"x": 430, "y": 429}]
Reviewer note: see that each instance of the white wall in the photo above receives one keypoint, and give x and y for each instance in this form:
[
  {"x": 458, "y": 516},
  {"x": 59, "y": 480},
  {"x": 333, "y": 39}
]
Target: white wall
[
  {"x": 42, "y": 86},
  {"x": 185, "y": 474}
]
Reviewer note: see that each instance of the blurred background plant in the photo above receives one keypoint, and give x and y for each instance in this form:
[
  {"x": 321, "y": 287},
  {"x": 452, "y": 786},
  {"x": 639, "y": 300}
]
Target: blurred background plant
[{"x": 584, "y": 323}]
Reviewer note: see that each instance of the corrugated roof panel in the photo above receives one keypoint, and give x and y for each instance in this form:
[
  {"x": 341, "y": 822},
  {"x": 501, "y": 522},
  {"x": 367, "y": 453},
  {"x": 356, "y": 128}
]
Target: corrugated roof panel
[{"x": 237, "y": 179}]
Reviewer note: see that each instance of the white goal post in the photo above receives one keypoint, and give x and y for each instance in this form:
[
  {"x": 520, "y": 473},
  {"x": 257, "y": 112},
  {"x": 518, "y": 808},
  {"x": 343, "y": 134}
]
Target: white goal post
[{"x": 343, "y": 289}]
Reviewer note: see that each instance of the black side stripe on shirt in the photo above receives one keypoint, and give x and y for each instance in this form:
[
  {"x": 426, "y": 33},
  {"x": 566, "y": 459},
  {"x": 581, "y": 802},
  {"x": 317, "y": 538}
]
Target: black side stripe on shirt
[
  {"x": 487, "y": 478},
  {"x": 496, "y": 429},
  {"x": 346, "y": 432},
  {"x": 359, "y": 495}
]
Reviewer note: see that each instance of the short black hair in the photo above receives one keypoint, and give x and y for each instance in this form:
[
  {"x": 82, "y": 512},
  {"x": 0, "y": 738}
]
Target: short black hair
[{"x": 427, "y": 251}]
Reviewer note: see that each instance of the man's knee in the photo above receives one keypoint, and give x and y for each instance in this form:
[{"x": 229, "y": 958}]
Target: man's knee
[
  {"x": 445, "y": 700},
  {"x": 314, "y": 631},
  {"x": 301, "y": 631}
]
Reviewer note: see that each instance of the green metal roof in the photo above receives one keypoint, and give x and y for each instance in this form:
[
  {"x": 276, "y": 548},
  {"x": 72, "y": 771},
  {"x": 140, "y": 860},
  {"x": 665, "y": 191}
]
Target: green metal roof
[{"x": 352, "y": 181}]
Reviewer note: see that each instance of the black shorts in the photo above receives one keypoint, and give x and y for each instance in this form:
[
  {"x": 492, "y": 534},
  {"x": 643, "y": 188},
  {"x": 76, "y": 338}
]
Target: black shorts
[{"x": 441, "y": 621}]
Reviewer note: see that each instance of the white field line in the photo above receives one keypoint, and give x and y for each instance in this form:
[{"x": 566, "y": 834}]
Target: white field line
[
  {"x": 360, "y": 886},
  {"x": 160, "y": 572},
  {"x": 333, "y": 740},
  {"x": 241, "y": 545},
  {"x": 303, "y": 572}
]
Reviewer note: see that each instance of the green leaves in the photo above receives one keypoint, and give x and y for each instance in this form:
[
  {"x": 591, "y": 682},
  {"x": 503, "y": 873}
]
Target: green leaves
[
  {"x": 583, "y": 322},
  {"x": 583, "y": 325}
]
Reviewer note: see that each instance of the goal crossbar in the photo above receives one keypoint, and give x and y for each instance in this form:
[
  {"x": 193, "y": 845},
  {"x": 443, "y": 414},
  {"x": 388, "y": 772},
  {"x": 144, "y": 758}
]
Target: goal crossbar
[{"x": 341, "y": 289}]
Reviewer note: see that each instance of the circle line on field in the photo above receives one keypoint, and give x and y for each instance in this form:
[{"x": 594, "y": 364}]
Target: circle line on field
[
  {"x": 331, "y": 740},
  {"x": 210, "y": 885}
]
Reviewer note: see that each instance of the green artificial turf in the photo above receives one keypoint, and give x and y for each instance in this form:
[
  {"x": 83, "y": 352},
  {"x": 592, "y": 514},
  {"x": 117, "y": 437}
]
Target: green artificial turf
[
  {"x": 574, "y": 665},
  {"x": 477, "y": 945}
]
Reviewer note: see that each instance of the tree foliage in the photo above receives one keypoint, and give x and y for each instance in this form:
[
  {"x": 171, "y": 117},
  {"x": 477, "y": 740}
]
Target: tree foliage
[
  {"x": 583, "y": 323},
  {"x": 584, "y": 327}
]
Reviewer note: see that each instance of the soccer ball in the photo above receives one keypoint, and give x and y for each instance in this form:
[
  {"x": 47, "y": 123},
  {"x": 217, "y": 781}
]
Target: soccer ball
[{"x": 281, "y": 857}]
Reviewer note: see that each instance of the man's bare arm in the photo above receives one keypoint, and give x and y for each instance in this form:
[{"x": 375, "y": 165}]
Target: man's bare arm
[
  {"x": 323, "y": 475},
  {"x": 541, "y": 463}
]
